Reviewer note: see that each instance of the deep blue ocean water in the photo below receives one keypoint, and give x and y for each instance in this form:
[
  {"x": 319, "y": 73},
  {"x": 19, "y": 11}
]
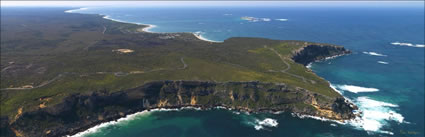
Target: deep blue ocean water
[{"x": 384, "y": 76}]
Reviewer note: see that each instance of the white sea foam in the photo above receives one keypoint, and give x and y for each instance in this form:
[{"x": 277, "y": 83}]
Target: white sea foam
[
  {"x": 420, "y": 45},
  {"x": 332, "y": 57},
  {"x": 130, "y": 118},
  {"x": 220, "y": 107},
  {"x": 374, "y": 54},
  {"x": 265, "y": 19},
  {"x": 373, "y": 103},
  {"x": 236, "y": 112},
  {"x": 375, "y": 114},
  {"x": 198, "y": 35},
  {"x": 74, "y": 10},
  {"x": 281, "y": 19},
  {"x": 192, "y": 108},
  {"x": 408, "y": 44},
  {"x": 277, "y": 112},
  {"x": 355, "y": 89},
  {"x": 106, "y": 124},
  {"x": 267, "y": 122},
  {"x": 309, "y": 65},
  {"x": 255, "y": 19},
  {"x": 317, "y": 118},
  {"x": 147, "y": 29},
  {"x": 341, "y": 93},
  {"x": 334, "y": 88},
  {"x": 251, "y": 19},
  {"x": 383, "y": 62}
]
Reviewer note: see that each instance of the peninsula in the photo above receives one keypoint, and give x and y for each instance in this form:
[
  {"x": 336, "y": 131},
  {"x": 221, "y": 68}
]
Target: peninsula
[{"x": 62, "y": 73}]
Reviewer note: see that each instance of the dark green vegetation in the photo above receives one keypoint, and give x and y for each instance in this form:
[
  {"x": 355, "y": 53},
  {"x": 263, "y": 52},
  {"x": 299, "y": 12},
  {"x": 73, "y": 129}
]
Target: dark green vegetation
[{"x": 48, "y": 56}]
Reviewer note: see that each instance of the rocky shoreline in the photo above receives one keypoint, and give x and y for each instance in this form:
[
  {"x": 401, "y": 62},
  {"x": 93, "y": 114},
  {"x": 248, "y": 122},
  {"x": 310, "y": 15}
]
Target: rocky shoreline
[
  {"x": 80, "y": 112},
  {"x": 127, "y": 102},
  {"x": 312, "y": 53}
]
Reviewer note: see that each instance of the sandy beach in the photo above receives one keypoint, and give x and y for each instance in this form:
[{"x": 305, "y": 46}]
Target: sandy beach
[
  {"x": 199, "y": 36},
  {"x": 145, "y": 29}
]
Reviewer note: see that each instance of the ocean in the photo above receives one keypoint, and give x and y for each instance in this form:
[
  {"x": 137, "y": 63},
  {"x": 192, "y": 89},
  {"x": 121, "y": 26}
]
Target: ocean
[{"x": 384, "y": 76}]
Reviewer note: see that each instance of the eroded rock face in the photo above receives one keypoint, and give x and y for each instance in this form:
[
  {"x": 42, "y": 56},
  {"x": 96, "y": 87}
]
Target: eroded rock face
[
  {"x": 313, "y": 53},
  {"x": 79, "y": 112},
  {"x": 82, "y": 111}
]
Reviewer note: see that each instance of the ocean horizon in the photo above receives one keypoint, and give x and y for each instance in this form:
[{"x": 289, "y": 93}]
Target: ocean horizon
[{"x": 384, "y": 76}]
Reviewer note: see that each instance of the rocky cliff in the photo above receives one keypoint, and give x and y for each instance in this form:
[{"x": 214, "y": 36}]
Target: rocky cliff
[
  {"x": 81, "y": 111},
  {"x": 30, "y": 113},
  {"x": 313, "y": 53}
]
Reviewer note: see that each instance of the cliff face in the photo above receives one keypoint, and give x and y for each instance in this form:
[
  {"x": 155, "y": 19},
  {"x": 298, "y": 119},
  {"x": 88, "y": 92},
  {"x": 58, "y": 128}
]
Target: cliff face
[
  {"x": 79, "y": 112},
  {"x": 153, "y": 53},
  {"x": 313, "y": 53}
]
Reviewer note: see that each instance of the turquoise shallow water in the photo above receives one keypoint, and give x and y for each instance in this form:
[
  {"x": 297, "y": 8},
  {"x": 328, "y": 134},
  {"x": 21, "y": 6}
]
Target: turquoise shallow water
[{"x": 384, "y": 78}]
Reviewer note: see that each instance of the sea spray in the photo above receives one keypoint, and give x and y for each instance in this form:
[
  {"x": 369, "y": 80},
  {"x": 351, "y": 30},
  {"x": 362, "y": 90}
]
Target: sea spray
[
  {"x": 374, "y": 54},
  {"x": 408, "y": 44},
  {"x": 75, "y": 10},
  {"x": 355, "y": 89},
  {"x": 259, "y": 123},
  {"x": 97, "y": 128},
  {"x": 130, "y": 117},
  {"x": 372, "y": 114},
  {"x": 383, "y": 62},
  {"x": 375, "y": 115}
]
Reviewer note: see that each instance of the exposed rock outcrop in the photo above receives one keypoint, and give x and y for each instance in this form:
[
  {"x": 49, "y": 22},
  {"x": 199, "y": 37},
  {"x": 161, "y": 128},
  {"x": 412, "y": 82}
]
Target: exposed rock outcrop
[
  {"x": 313, "y": 53},
  {"x": 81, "y": 111}
]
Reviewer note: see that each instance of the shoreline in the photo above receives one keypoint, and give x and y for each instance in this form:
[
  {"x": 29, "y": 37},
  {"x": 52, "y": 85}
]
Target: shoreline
[
  {"x": 128, "y": 116},
  {"x": 147, "y": 26},
  {"x": 199, "y": 36},
  {"x": 132, "y": 116}
]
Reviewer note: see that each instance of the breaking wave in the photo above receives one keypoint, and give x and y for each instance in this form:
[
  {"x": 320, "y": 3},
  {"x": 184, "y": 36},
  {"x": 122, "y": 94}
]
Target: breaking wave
[
  {"x": 354, "y": 89},
  {"x": 375, "y": 115},
  {"x": 199, "y": 34},
  {"x": 127, "y": 119},
  {"x": 255, "y": 19},
  {"x": 374, "y": 54},
  {"x": 383, "y": 62},
  {"x": 74, "y": 10},
  {"x": 408, "y": 44},
  {"x": 97, "y": 128},
  {"x": 262, "y": 124},
  {"x": 281, "y": 19},
  {"x": 308, "y": 65}
]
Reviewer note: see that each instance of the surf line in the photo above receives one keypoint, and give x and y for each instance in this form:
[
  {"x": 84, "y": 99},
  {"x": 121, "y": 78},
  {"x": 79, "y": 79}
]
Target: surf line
[{"x": 147, "y": 112}]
